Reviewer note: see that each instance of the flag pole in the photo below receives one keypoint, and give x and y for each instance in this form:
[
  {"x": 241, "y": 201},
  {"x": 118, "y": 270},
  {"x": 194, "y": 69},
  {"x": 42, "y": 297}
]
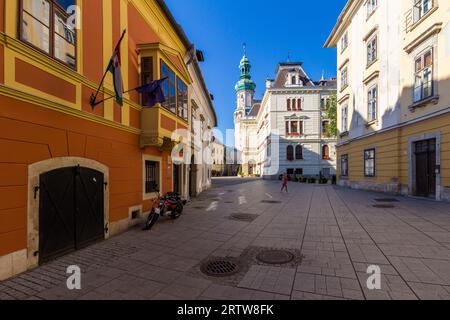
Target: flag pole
[{"x": 93, "y": 100}]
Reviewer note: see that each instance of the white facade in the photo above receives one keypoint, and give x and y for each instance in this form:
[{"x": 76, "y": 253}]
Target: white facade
[
  {"x": 285, "y": 132},
  {"x": 381, "y": 27},
  {"x": 203, "y": 120}
]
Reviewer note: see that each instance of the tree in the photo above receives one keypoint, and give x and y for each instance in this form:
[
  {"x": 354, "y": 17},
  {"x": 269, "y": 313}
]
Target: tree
[
  {"x": 240, "y": 171},
  {"x": 331, "y": 114}
]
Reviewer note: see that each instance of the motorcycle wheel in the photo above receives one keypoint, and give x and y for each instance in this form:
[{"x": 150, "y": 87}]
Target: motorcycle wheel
[
  {"x": 176, "y": 214},
  {"x": 152, "y": 219}
]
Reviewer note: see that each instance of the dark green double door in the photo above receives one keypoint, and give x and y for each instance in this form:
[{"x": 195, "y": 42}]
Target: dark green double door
[
  {"x": 425, "y": 152},
  {"x": 71, "y": 211}
]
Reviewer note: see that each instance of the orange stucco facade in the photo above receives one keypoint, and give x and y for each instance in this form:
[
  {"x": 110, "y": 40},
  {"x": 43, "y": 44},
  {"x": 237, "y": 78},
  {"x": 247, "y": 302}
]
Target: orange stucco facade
[{"x": 45, "y": 114}]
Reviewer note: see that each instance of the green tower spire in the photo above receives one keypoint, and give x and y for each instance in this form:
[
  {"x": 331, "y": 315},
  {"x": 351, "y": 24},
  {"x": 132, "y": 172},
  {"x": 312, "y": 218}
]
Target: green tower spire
[{"x": 245, "y": 83}]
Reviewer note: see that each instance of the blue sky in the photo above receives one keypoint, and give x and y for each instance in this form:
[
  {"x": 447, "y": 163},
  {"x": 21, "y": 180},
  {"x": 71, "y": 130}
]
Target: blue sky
[{"x": 271, "y": 30}]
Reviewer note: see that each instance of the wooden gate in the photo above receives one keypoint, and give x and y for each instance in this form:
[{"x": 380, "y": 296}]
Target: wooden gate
[
  {"x": 425, "y": 152},
  {"x": 71, "y": 211}
]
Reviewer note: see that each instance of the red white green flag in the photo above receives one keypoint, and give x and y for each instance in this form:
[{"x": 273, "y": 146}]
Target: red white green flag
[{"x": 115, "y": 68}]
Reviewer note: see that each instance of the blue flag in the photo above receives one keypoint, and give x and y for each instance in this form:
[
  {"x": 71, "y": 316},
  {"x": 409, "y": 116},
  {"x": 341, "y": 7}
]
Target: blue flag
[{"x": 152, "y": 93}]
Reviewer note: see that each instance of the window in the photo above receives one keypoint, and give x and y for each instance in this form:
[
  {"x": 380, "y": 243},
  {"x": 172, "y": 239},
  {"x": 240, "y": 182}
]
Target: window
[
  {"x": 43, "y": 24},
  {"x": 175, "y": 92},
  {"x": 423, "y": 85},
  {"x": 269, "y": 147},
  {"x": 290, "y": 172},
  {"x": 294, "y": 80},
  {"x": 421, "y": 8},
  {"x": 151, "y": 176},
  {"x": 299, "y": 152},
  {"x": 344, "y": 41},
  {"x": 168, "y": 87},
  {"x": 289, "y": 105},
  {"x": 369, "y": 163},
  {"x": 294, "y": 104},
  {"x": 344, "y": 78},
  {"x": 371, "y": 6},
  {"x": 299, "y": 105},
  {"x": 146, "y": 77},
  {"x": 299, "y": 172},
  {"x": 290, "y": 153},
  {"x": 372, "y": 104},
  {"x": 182, "y": 100},
  {"x": 372, "y": 50},
  {"x": 323, "y": 104},
  {"x": 344, "y": 118},
  {"x": 325, "y": 152},
  {"x": 344, "y": 165},
  {"x": 294, "y": 127},
  {"x": 325, "y": 128}
]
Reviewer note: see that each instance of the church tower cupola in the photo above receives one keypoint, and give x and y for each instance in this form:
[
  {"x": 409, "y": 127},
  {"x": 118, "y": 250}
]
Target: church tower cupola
[{"x": 245, "y": 88}]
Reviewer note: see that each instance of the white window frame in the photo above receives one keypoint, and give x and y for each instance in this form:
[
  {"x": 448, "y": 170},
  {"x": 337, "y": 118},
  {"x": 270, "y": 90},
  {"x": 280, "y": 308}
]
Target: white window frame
[
  {"x": 344, "y": 41},
  {"x": 344, "y": 84},
  {"x": 422, "y": 74},
  {"x": 344, "y": 159},
  {"x": 344, "y": 118},
  {"x": 421, "y": 8},
  {"x": 372, "y": 6},
  {"x": 372, "y": 49},
  {"x": 372, "y": 103}
]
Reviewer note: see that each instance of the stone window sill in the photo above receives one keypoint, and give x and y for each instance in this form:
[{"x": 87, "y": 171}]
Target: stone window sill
[
  {"x": 422, "y": 103},
  {"x": 371, "y": 123}
]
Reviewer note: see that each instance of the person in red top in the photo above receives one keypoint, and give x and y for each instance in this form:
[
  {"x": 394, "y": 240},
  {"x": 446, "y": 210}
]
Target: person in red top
[{"x": 285, "y": 183}]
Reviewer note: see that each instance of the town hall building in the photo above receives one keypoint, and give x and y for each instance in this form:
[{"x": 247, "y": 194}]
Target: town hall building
[{"x": 287, "y": 131}]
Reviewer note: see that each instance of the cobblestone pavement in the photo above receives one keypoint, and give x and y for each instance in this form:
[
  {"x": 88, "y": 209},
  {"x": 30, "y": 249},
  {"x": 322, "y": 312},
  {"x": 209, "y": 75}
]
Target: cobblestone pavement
[{"x": 338, "y": 232}]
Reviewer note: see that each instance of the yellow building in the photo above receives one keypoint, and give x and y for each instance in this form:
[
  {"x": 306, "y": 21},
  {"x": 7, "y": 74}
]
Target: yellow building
[{"x": 394, "y": 96}]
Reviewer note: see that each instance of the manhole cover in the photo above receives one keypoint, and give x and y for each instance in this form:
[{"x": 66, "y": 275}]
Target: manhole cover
[
  {"x": 384, "y": 206},
  {"x": 275, "y": 257},
  {"x": 271, "y": 201},
  {"x": 221, "y": 267},
  {"x": 244, "y": 217}
]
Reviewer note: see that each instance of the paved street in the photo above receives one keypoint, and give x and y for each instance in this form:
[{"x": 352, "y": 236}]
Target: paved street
[{"x": 335, "y": 235}]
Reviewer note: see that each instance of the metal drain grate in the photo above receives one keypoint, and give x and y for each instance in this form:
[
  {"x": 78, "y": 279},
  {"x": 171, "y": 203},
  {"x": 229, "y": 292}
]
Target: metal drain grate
[
  {"x": 275, "y": 257},
  {"x": 244, "y": 217},
  {"x": 220, "y": 267},
  {"x": 271, "y": 201},
  {"x": 384, "y": 206},
  {"x": 386, "y": 200}
]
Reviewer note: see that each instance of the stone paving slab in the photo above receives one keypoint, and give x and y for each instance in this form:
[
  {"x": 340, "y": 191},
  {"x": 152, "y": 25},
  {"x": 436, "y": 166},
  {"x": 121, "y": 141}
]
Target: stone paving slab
[{"x": 337, "y": 232}]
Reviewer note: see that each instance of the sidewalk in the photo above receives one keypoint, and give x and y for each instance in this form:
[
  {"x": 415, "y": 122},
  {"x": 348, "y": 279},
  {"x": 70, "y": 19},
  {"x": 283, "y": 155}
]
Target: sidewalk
[{"x": 335, "y": 235}]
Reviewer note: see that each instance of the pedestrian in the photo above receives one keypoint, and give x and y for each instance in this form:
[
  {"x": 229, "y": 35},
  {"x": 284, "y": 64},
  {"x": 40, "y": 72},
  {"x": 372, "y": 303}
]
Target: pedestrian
[{"x": 285, "y": 183}]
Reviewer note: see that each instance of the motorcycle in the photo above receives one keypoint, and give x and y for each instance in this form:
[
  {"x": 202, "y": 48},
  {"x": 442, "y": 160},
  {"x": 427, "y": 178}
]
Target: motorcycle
[{"x": 171, "y": 205}]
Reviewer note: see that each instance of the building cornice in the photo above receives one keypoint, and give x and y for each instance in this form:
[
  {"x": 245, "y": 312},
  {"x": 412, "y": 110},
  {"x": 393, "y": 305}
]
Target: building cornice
[
  {"x": 397, "y": 126},
  {"x": 343, "y": 22},
  {"x": 434, "y": 29}
]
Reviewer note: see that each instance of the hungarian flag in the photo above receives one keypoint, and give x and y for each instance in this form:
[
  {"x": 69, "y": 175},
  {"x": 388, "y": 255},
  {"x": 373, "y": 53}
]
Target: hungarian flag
[{"x": 115, "y": 68}]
